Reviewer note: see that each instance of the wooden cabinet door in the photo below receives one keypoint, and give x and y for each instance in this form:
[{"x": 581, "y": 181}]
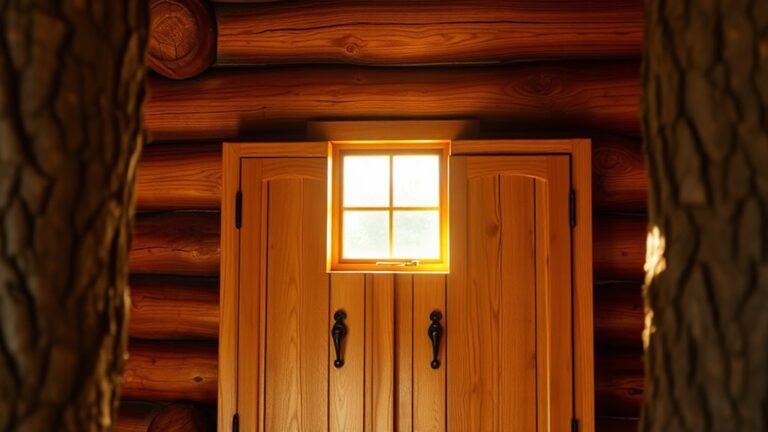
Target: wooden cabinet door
[
  {"x": 284, "y": 310},
  {"x": 508, "y": 327}
]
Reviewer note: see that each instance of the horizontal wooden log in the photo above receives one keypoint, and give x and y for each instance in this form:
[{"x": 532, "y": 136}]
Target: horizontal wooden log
[
  {"x": 182, "y": 37},
  {"x": 151, "y": 417},
  {"x": 174, "y": 308},
  {"x": 179, "y": 176},
  {"x": 187, "y": 243},
  {"x": 619, "y": 383},
  {"x": 619, "y": 180},
  {"x": 617, "y": 424},
  {"x": 171, "y": 371},
  {"x": 618, "y": 314},
  {"x": 178, "y": 243},
  {"x": 619, "y": 246},
  {"x": 601, "y": 96},
  {"x": 445, "y": 31},
  {"x": 188, "y": 176}
]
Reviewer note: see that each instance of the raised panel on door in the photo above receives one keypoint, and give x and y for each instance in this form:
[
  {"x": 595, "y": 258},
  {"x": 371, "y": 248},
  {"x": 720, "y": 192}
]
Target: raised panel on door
[
  {"x": 502, "y": 371},
  {"x": 284, "y": 297}
]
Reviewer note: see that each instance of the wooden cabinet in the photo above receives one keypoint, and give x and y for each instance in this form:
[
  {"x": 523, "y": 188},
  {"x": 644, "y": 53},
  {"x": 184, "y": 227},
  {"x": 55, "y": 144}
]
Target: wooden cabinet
[{"x": 515, "y": 308}]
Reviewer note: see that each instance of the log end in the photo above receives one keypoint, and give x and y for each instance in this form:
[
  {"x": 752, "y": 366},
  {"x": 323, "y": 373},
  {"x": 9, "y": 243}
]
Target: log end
[{"x": 182, "y": 39}]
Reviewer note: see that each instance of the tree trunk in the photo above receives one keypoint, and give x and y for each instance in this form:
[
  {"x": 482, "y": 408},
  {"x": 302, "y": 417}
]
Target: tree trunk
[
  {"x": 71, "y": 88},
  {"x": 706, "y": 133}
]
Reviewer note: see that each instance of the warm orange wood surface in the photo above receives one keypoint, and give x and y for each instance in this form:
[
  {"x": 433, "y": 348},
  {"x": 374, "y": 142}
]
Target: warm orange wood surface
[
  {"x": 491, "y": 352},
  {"x": 179, "y": 176},
  {"x": 179, "y": 243},
  {"x": 182, "y": 37},
  {"x": 347, "y": 384},
  {"x": 429, "y": 385},
  {"x": 165, "y": 371},
  {"x": 152, "y": 417},
  {"x": 284, "y": 308},
  {"x": 548, "y": 96},
  {"x": 187, "y": 243},
  {"x": 380, "y": 325},
  {"x": 447, "y": 31},
  {"x": 174, "y": 308},
  {"x": 404, "y": 340},
  {"x": 619, "y": 181}
]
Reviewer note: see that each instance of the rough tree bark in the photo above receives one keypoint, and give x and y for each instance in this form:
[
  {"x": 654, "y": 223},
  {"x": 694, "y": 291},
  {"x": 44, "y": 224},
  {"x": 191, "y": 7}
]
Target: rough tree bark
[
  {"x": 706, "y": 133},
  {"x": 71, "y": 89}
]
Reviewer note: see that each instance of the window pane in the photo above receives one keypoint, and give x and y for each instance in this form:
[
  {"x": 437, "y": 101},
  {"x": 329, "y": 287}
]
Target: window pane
[
  {"x": 366, "y": 181},
  {"x": 366, "y": 234},
  {"x": 416, "y": 181},
  {"x": 416, "y": 234}
]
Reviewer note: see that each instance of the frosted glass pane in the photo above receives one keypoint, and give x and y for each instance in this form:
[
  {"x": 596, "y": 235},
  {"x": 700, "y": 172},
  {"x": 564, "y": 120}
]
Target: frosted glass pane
[
  {"x": 366, "y": 181},
  {"x": 366, "y": 234},
  {"x": 416, "y": 181},
  {"x": 416, "y": 234}
]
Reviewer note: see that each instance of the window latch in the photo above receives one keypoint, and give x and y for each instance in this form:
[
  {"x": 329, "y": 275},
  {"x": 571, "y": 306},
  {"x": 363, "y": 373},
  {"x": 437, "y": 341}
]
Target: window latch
[{"x": 411, "y": 263}]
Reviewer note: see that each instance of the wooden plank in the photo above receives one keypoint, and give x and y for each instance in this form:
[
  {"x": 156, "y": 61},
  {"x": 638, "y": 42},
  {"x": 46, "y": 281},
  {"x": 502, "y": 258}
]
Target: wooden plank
[
  {"x": 381, "y": 288},
  {"x": 549, "y": 96},
  {"x": 428, "y": 384},
  {"x": 619, "y": 180},
  {"x": 404, "y": 341},
  {"x": 446, "y": 31},
  {"x": 177, "y": 243},
  {"x": 174, "y": 308},
  {"x": 171, "y": 371},
  {"x": 347, "y": 383},
  {"x": 187, "y": 243},
  {"x": 619, "y": 248},
  {"x": 554, "y": 301},
  {"x": 619, "y": 383},
  {"x": 297, "y": 308},
  {"x": 619, "y": 316},
  {"x": 153, "y": 417},
  {"x": 583, "y": 305},
  {"x": 229, "y": 287},
  {"x": 188, "y": 176},
  {"x": 179, "y": 176}
]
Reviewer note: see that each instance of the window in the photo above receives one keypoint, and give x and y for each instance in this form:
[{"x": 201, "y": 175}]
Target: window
[{"x": 389, "y": 206}]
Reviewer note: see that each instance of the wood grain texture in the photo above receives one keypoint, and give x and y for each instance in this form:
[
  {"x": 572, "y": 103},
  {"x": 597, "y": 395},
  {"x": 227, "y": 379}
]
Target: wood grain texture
[
  {"x": 380, "y": 324},
  {"x": 182, "y": 39},
  {"x": 619, "y": 385},
  {"x": 187, "y": 243},
  {"x": 346, "y": 403},
  {"x": 297, "y": 308},
  {"x": 548, "y": 96},
  {"x": 154, "y": 417},
  {"x": 619, "y": 316},
  {"x": 428, "y": 385},
  {"x": 619, "y": 248},
  {"x": 446, "y": 31},
  {"x": 174, "y": 308},
  {"x": 180, "y": 243},
  {"x": 171, "y": 371},
  {"x": 179, "y": 176},
  {"x": 619, "y": 182}
]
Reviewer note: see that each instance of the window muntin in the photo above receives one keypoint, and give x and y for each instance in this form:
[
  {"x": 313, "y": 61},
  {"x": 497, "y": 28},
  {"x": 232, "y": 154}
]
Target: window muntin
[{"x": 389, "y": 205}]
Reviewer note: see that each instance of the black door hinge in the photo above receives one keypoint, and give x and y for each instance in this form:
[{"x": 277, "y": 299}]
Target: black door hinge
[
  {"x": 235, "y": 423},
  {"x": 572, "y": 207},
  {"x": 238, "y": 209},
  {"x": 574, "y": 425}
]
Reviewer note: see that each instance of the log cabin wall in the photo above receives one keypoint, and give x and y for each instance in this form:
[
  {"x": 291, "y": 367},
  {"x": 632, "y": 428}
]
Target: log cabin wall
[{"x": 261, "y": 71}]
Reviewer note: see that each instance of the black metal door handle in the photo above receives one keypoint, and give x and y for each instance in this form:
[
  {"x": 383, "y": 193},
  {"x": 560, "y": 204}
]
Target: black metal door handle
[
  {"x": 435, "y": 333},
  {"x": 338, "y": 331}
]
